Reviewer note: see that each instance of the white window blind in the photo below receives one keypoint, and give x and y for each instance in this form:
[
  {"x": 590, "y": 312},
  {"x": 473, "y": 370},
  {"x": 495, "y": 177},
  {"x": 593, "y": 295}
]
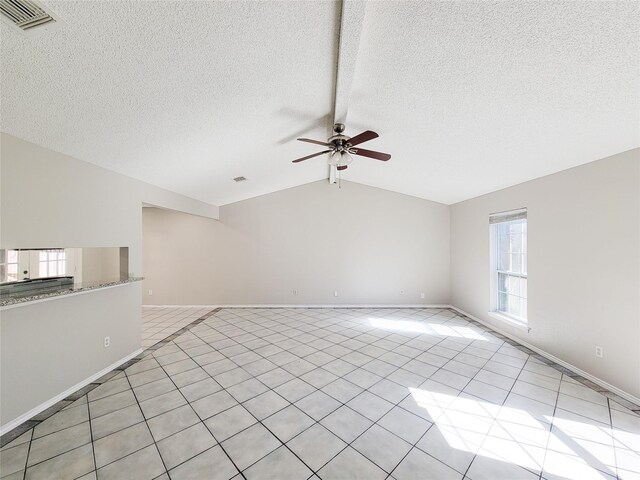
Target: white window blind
[{"x": 508, "y": 216}]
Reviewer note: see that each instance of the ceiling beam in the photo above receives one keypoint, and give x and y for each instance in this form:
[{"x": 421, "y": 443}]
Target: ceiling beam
[
  {"x": 352, "y": 14},
  {"x": 351, "y": 23}
]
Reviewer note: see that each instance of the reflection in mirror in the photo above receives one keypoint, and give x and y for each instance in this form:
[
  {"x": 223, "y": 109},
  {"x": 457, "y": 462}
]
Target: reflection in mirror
[{"x": 51, "y": 269}]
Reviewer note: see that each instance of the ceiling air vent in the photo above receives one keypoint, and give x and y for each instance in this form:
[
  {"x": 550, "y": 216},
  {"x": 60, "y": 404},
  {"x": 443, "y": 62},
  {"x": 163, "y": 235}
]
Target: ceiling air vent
[
  {"x": 239, "y": 179},
  {"x": 25, "y": 14}
]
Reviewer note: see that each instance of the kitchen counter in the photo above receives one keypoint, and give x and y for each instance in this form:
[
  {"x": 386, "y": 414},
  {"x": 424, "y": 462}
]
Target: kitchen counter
[{"x": 18, "y": 299}]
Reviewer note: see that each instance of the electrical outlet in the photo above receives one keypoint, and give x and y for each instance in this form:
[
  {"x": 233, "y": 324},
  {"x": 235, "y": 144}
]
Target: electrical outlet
[
  {"x": 335, "y": 293},
  {"x": 107, "y": 342},
  {"x": 150, "y": 292},
  {"x": 599, "y": 352},
  {"x": 422, "y": 295},
  {"x": 295, "y": 291}
]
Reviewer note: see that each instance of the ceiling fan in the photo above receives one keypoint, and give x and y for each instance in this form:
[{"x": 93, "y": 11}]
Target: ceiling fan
[{"x": 341, "y": 147}]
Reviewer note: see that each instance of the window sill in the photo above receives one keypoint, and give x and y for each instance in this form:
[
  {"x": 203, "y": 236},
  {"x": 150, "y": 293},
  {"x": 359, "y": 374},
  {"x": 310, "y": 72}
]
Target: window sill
[{"x": 511, "y": 321}]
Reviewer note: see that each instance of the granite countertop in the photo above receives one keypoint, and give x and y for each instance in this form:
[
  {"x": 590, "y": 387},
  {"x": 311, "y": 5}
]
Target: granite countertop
[{"x": 9, "y": 300}]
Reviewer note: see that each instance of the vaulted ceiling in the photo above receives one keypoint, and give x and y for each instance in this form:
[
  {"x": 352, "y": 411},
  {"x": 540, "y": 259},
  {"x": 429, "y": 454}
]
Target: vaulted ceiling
[{"x": 468, "y": 97}]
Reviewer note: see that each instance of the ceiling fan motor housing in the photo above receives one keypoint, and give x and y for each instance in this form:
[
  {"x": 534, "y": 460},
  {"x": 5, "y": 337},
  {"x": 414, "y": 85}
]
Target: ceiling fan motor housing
[{"x": 339, "y": 142}]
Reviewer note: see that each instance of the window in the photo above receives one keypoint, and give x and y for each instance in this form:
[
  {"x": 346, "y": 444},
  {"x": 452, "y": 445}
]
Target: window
[
  {"x": 8, "y": 265},
  {"x": 52, "y": 262},
  {"x": 509, "y": 264}
]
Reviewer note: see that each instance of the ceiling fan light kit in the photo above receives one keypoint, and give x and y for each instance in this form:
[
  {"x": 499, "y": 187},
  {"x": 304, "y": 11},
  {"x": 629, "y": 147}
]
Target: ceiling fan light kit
[
  {"x": 341, "y": 148},
  {"x": 340, "y": 159}
]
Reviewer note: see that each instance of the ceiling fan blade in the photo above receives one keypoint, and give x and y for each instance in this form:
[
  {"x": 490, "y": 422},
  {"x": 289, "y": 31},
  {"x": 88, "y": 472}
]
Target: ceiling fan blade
[
  {"x": 310, "y": 156},
  {"x": 370, "y": 153},
  {"x": 363, "y": 137},
  {"x": 342, "y": 167},
  {"x": 314, "y": 141}
]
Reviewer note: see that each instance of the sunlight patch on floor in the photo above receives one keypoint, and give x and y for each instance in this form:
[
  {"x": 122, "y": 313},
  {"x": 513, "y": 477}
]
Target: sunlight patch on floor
[
  {"x": 565, "y": 447},
  {"x": 398, "y": 325}
]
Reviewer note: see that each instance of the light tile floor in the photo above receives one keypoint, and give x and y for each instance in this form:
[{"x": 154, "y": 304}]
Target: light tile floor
[
  {"x": 160, "y": 322},
  {"x": 334, "y": 394}
]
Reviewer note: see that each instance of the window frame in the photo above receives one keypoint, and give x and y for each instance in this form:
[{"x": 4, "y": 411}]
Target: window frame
[
  {"x": 5, "y": 264},
  {"x": 53, "y": 267},
  {"x": 495, "y": 220}
]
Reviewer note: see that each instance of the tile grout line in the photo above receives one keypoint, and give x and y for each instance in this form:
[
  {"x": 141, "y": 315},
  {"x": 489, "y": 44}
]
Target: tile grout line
[
  {"x": 553, "y": 416},
  {"x": 613, "y": 441},
  {"x": 26, "y": 460},
  {"x": 93, "y": 448}
]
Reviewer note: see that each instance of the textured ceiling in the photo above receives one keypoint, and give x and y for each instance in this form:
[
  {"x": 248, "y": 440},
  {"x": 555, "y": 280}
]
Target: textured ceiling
[
  {"x": 471, "y": 97},
  {"x": 468, "y": 97}
]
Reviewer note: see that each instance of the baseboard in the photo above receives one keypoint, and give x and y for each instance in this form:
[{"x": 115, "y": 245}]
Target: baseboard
[
  {"x": 312, "y": 305},
  {"x": 337, "y": 305},
  {"x": 182, "y": 306},
  {"x": 52, "y": 401},
  {"x": 553, "y": 358}
]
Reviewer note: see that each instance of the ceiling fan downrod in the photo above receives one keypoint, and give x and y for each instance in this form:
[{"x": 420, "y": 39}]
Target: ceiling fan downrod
[{"x": 338, "y": 140}]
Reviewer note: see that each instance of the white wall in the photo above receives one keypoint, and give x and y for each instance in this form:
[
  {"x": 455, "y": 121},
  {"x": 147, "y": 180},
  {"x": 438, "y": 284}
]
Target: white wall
[
  {"x": 584, "y": 264},
  {"x": 366, "y": 243},
  {"x": 52, "y": 200},
  {"x": 100, "y": 264},
  {"x": 48, "y": 347}
]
